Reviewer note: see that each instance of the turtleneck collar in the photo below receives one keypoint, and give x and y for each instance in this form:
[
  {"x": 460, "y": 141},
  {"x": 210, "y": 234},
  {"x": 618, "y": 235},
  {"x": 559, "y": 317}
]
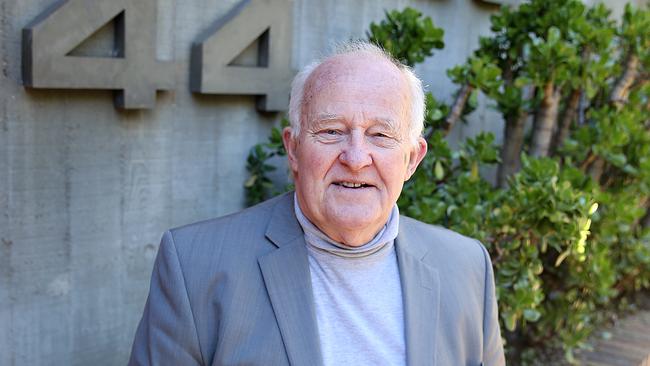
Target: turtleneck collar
[{"x": 321, "y": 242}]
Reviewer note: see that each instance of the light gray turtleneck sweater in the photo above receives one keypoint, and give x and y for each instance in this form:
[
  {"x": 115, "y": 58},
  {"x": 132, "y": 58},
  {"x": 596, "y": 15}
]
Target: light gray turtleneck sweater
[{"x": 358, "y": 296}]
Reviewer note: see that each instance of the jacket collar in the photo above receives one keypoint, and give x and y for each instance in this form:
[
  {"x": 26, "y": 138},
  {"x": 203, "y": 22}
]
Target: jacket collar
[{"x": 283, "y": 227}]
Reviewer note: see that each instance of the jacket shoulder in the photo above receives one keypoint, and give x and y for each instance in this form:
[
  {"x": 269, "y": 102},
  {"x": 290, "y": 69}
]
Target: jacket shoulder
[
  {"x": 252, "y": 220},
  {"x": 239, "y": 234},
  {"x": 444, "y": 247}
]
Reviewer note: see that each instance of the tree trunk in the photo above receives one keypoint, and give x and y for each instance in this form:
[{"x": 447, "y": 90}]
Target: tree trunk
[
  {"x": 596, "y": 169},
  {"x": 545, "y": 121},
  {"x": 457, "y": 108},
  {"x": 569, "y": 115},
  {"x": 624, "y": 83},
  {"x": 513, "y": 139}
]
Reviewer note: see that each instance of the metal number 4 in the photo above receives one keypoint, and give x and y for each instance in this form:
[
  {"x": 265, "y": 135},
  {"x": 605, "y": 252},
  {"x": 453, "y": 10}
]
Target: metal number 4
[
  {"x": 134, "y": 71},
  {"x": 267, "y": 21}
]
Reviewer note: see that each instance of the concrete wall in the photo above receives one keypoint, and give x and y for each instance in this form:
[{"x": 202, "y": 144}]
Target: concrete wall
[{"x": 86, "y": 190}]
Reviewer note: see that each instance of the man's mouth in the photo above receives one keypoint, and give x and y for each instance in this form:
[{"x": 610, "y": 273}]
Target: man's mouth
[{"x": 352, "y": 184}]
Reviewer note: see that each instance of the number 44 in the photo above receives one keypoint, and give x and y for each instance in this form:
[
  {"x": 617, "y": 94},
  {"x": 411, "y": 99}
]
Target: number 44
[{"x": 135, "y": 73}]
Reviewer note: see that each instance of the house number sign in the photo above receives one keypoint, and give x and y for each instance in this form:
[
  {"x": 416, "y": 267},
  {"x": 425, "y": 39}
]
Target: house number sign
[{"x": 133, "y": 71}]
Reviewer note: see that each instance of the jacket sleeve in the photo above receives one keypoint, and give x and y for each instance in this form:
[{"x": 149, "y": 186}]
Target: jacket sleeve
[
  {"x": 492, "y": 344},
  {"x": 167, "y": 333}
]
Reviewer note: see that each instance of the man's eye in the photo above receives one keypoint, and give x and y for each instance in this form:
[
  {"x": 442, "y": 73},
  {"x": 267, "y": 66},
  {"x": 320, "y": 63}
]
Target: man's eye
[
  {"x": 328, "y": 135},
  {"x": 382, "y": 135}
]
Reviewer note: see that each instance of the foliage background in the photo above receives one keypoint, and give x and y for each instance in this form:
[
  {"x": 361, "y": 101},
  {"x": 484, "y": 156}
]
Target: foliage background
[{"x": 567, "y": 221}]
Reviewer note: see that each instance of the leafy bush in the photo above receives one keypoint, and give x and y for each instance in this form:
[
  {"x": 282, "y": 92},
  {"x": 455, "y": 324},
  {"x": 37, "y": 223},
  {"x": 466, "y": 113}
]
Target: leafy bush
[
  {"x": 407, "y": 35},
  {"x": 259, "y": 186},
  {"x": 567, "y": 222}
]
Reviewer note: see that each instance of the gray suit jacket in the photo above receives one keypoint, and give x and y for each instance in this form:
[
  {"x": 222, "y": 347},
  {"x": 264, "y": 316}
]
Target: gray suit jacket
[{"x": 237, "y": 291}]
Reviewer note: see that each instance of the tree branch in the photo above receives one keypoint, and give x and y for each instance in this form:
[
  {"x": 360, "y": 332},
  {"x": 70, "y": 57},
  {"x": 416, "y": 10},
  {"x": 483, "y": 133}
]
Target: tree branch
[
  {"x": 596, "y": 168},
  {"x": 624, "y": 83},
  {"x": 588, "y": 160},
  {"x": 457, "y": 108}
]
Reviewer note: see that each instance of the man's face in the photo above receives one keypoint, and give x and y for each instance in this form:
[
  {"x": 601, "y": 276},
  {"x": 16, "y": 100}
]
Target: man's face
[{"x": 353, "y": 152}]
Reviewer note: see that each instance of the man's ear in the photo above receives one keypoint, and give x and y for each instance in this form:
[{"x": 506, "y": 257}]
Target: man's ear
[
  {"x": 290, "y": 145},
  {"x": 415, "y": 157}
]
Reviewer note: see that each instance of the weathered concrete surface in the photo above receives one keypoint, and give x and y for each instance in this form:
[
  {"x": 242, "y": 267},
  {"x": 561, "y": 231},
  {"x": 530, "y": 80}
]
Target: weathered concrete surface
[{"x": 86, "y": 191}]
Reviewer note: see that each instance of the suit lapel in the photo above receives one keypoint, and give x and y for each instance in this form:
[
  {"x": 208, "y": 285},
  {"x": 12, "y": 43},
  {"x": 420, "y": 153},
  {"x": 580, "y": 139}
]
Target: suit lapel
[
  {"x": 288, "y": 282},
  {"x": 421, "y": 292}
]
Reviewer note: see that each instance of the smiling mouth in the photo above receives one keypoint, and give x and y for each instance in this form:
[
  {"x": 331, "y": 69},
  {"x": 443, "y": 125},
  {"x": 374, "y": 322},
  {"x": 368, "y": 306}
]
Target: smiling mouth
[{"x": 352, "y": 185}]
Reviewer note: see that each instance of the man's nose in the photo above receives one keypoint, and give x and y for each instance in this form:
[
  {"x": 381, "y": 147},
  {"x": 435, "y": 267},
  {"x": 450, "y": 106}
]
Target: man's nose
[{"x": 356, "y": 153}]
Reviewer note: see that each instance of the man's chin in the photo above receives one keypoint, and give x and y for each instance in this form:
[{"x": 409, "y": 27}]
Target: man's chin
[
  {"x": 358, "y": 199},
  {"x": 351, "y": 224}
]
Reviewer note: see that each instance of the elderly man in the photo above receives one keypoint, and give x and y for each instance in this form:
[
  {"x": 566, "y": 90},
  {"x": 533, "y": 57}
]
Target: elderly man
[{"x": 330, "y": 274}]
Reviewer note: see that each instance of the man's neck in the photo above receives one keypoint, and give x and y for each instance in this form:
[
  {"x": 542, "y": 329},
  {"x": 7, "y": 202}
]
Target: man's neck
[{"x": 384, "y": 233}]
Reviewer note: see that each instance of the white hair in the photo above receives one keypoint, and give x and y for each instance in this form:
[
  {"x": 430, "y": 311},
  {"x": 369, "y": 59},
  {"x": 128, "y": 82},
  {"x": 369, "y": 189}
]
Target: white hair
[{"x": 416, "y": 124}]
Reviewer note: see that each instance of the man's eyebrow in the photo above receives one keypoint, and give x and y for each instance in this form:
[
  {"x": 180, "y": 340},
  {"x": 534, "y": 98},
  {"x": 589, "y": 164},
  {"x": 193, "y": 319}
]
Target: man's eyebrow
[
  {"x": 386, "y": 121},
  {"x": 324, "y": 117}
]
